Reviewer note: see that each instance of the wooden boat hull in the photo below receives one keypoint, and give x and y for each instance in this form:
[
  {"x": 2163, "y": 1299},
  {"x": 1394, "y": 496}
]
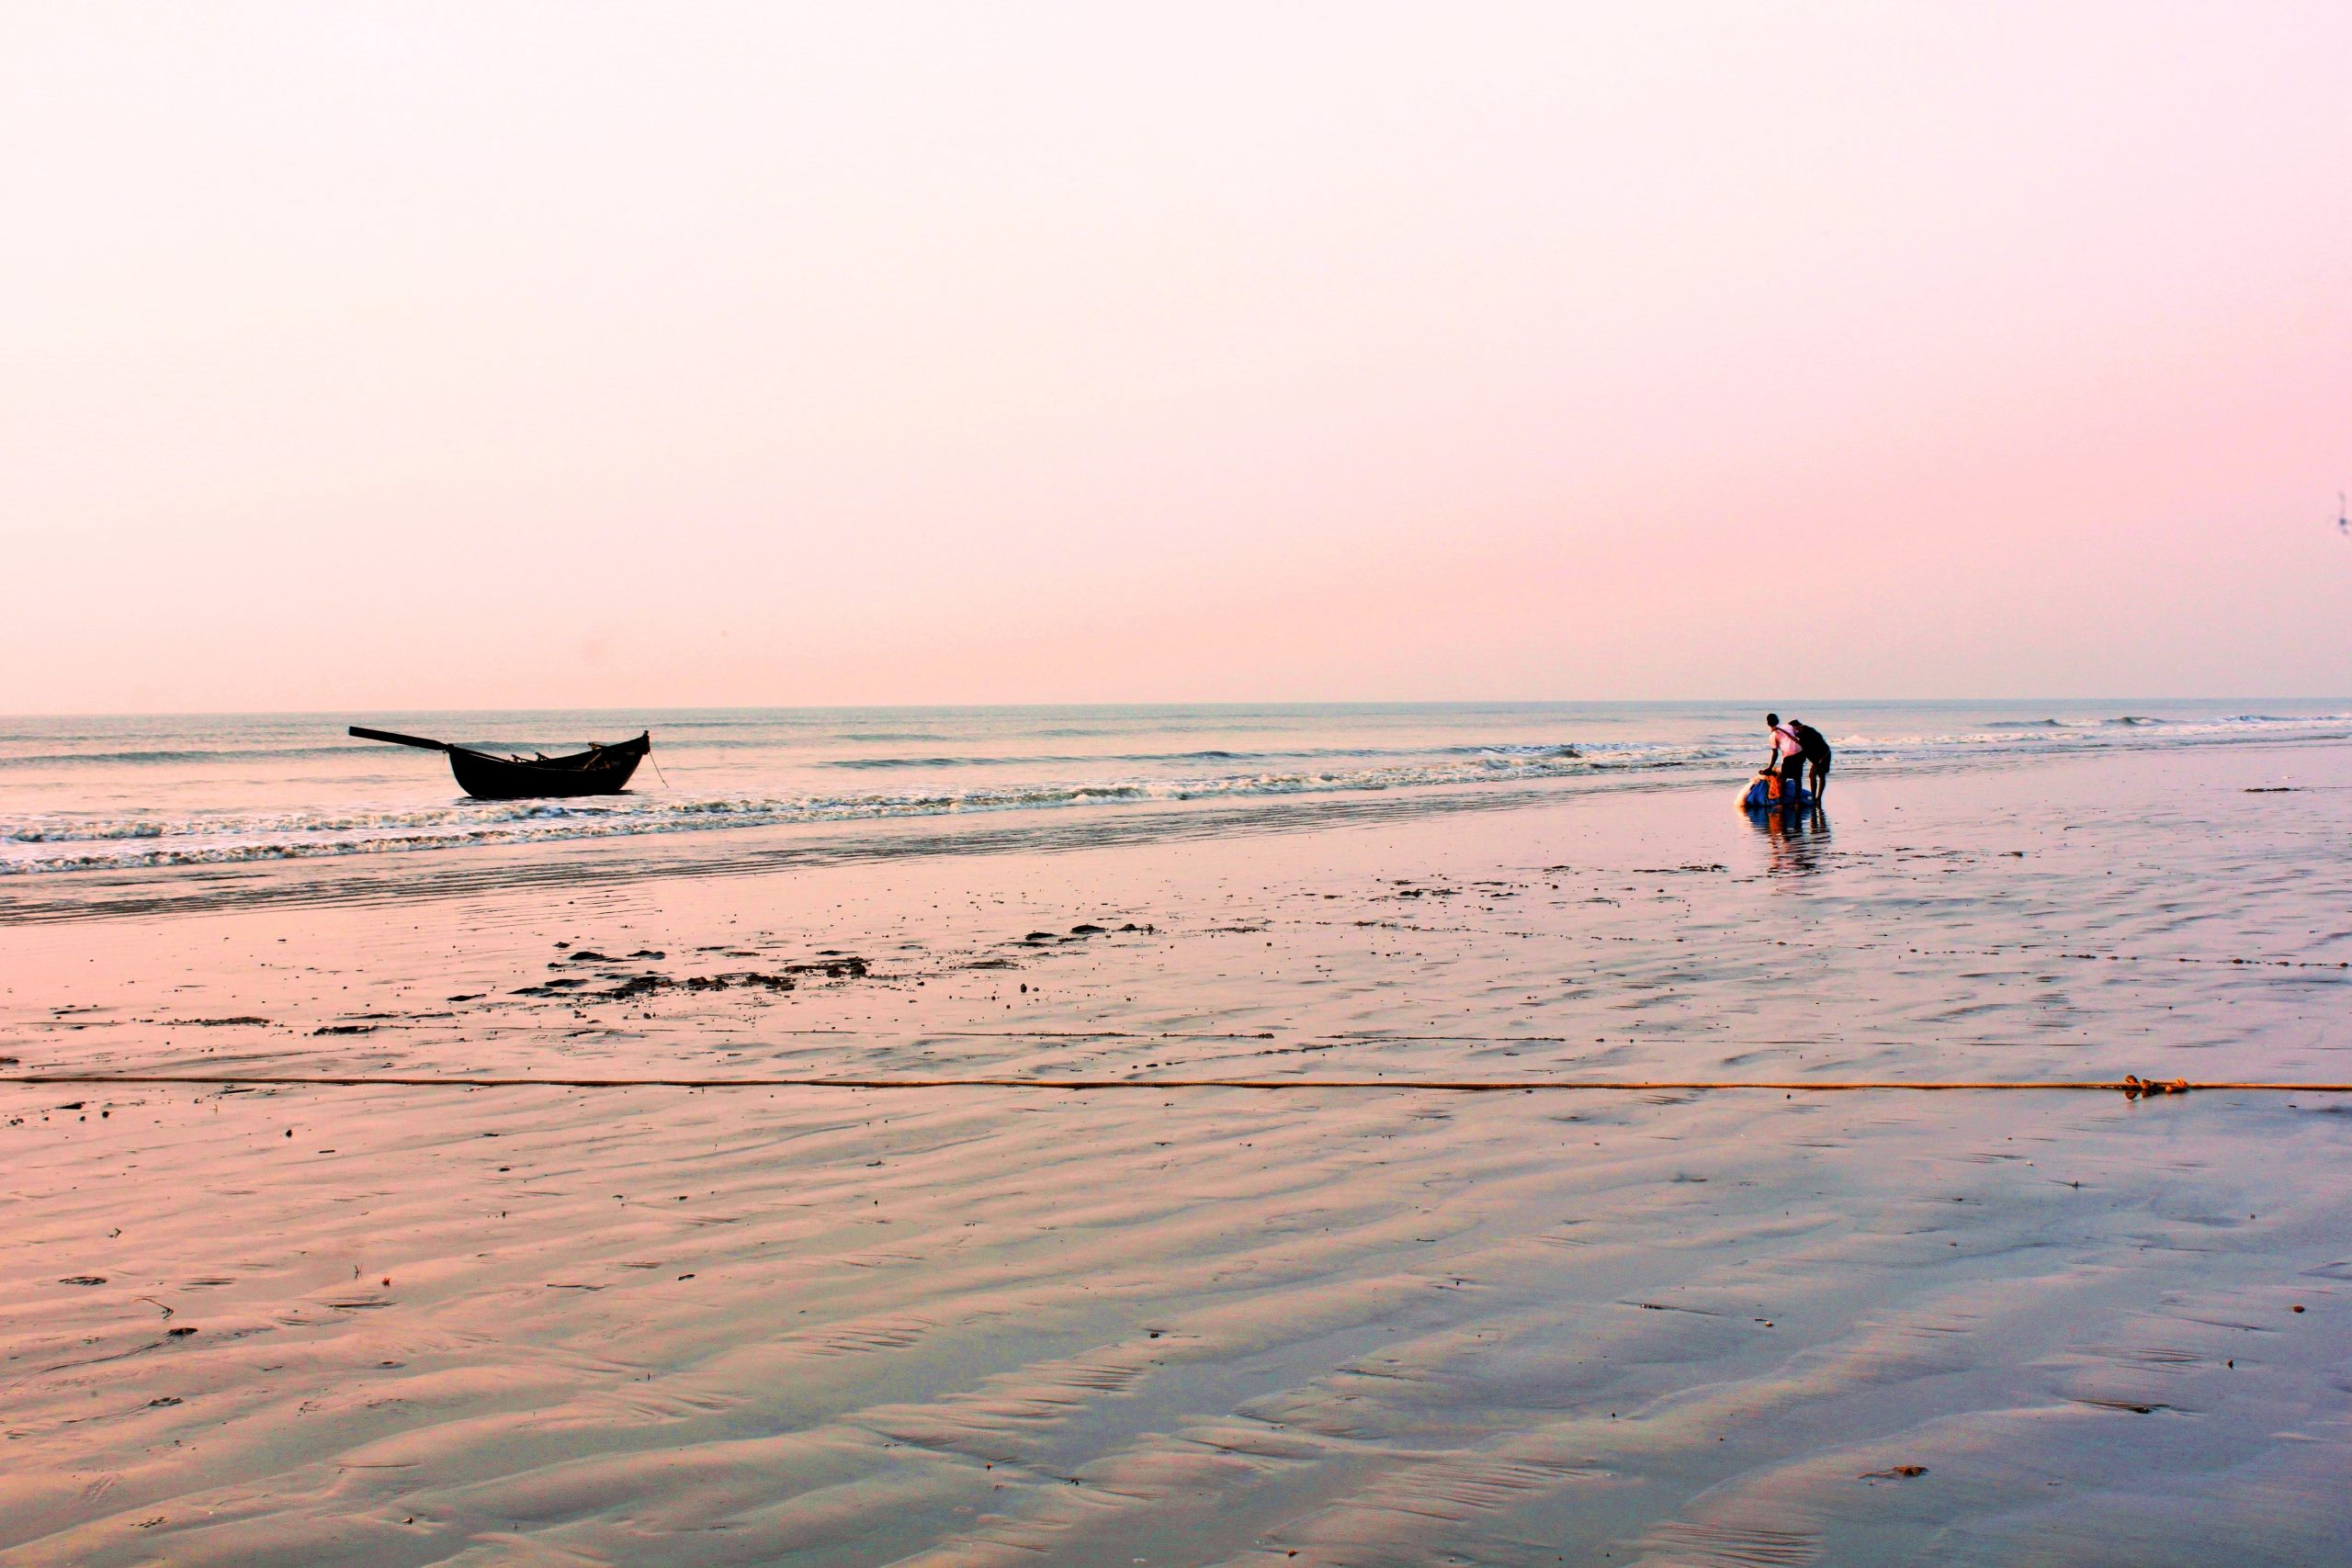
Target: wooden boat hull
[{"x": 600, "y": 770}]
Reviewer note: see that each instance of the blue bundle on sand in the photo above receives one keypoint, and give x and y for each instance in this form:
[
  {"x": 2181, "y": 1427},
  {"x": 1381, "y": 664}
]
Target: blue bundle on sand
[{"x": 1763, "y": 795}]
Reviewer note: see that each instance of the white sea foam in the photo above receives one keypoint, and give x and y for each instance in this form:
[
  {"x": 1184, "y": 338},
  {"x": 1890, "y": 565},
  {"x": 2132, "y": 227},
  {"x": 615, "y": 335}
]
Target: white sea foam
[
  {"x": 74, "y": 842},
  {"x": 145, "y": 795}
]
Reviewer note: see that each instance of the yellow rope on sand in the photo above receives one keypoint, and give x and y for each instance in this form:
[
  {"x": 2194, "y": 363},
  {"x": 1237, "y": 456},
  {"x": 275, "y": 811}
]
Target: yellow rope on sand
[{"x": 2130, "y": 1085}]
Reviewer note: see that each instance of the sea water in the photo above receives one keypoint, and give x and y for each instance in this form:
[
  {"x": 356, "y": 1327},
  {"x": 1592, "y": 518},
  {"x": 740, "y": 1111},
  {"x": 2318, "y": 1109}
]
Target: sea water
[{"x": 170, "y": 793}]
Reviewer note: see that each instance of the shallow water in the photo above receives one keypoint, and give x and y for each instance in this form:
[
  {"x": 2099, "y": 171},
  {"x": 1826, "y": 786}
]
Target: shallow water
[
  {"x": 1189, "y": 1325},
  {"x": 190, "y": 792}
]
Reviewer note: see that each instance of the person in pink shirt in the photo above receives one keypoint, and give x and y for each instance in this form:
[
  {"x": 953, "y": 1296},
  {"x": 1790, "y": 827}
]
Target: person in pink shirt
[{"x": 1788, "y": 756}]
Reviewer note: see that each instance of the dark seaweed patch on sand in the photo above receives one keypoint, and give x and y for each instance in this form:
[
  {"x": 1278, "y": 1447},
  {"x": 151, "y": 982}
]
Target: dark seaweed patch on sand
[{"x": 626, "y": 986}]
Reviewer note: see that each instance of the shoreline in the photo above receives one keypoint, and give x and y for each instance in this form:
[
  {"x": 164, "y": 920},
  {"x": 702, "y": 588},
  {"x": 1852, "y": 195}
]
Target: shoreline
[{"x": 447, "y": 872}]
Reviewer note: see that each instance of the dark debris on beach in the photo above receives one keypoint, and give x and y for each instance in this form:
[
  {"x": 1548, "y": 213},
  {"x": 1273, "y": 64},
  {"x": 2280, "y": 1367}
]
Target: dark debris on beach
[{"x": 626, "y": 986}]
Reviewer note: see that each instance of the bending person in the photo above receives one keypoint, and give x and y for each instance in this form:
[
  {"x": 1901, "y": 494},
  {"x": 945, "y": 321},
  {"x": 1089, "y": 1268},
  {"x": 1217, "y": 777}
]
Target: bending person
[{"x": 1816, "y": 756}]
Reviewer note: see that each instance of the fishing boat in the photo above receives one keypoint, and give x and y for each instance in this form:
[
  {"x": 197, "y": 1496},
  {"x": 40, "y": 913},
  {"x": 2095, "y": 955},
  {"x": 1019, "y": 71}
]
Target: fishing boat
[{"x": 600, "y": 770}]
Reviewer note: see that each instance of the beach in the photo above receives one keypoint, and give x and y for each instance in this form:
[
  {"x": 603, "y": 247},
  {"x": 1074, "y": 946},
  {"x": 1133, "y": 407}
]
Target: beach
[
  {"x": 1375, "y": 1171},
  {"x": 845, "y": 786}
]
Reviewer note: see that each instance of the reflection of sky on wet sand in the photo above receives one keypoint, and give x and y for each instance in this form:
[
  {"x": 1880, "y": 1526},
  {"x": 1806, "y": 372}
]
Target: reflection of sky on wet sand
[{"x": 1221, "y": 1326}]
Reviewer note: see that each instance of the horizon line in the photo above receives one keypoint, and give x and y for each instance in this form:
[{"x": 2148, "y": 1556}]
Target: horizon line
[{"x": 1212, "y": 704}]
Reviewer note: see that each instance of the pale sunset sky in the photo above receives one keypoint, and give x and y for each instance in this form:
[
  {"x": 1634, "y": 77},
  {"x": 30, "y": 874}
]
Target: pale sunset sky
[{"x": 380, "y": 356}]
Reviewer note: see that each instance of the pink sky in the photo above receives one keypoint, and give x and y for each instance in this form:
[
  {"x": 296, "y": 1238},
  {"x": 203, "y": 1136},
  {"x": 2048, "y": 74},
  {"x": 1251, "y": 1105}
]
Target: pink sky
[{"x": 476, "y": 354}]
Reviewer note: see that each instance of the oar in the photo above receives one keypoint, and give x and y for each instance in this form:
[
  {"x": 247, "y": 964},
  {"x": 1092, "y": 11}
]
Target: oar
[{"x": 387, "y": 735}]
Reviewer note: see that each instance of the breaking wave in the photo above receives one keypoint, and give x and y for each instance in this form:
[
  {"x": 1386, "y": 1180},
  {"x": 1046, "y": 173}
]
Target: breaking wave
[
  {"x": 707, "y": 790},
  {"x": 65, "y": 842}
]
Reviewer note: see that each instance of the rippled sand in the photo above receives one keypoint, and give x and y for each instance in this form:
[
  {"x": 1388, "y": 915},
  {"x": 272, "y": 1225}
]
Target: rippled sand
[{"x": 1306, "y": 1325}]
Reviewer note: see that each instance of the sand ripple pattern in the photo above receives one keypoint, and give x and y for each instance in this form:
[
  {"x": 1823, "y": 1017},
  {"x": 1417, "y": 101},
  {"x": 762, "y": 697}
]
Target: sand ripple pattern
[{"x": 1380, "y": 1328}]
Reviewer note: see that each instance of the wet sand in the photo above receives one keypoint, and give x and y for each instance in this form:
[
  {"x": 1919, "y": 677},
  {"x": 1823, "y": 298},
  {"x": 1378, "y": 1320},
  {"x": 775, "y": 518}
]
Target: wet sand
[{"x": 1306, "y": 1325}]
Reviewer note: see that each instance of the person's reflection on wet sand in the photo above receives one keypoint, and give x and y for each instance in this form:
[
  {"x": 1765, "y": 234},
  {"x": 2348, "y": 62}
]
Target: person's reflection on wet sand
[{"x": 1795, "y": 841}]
